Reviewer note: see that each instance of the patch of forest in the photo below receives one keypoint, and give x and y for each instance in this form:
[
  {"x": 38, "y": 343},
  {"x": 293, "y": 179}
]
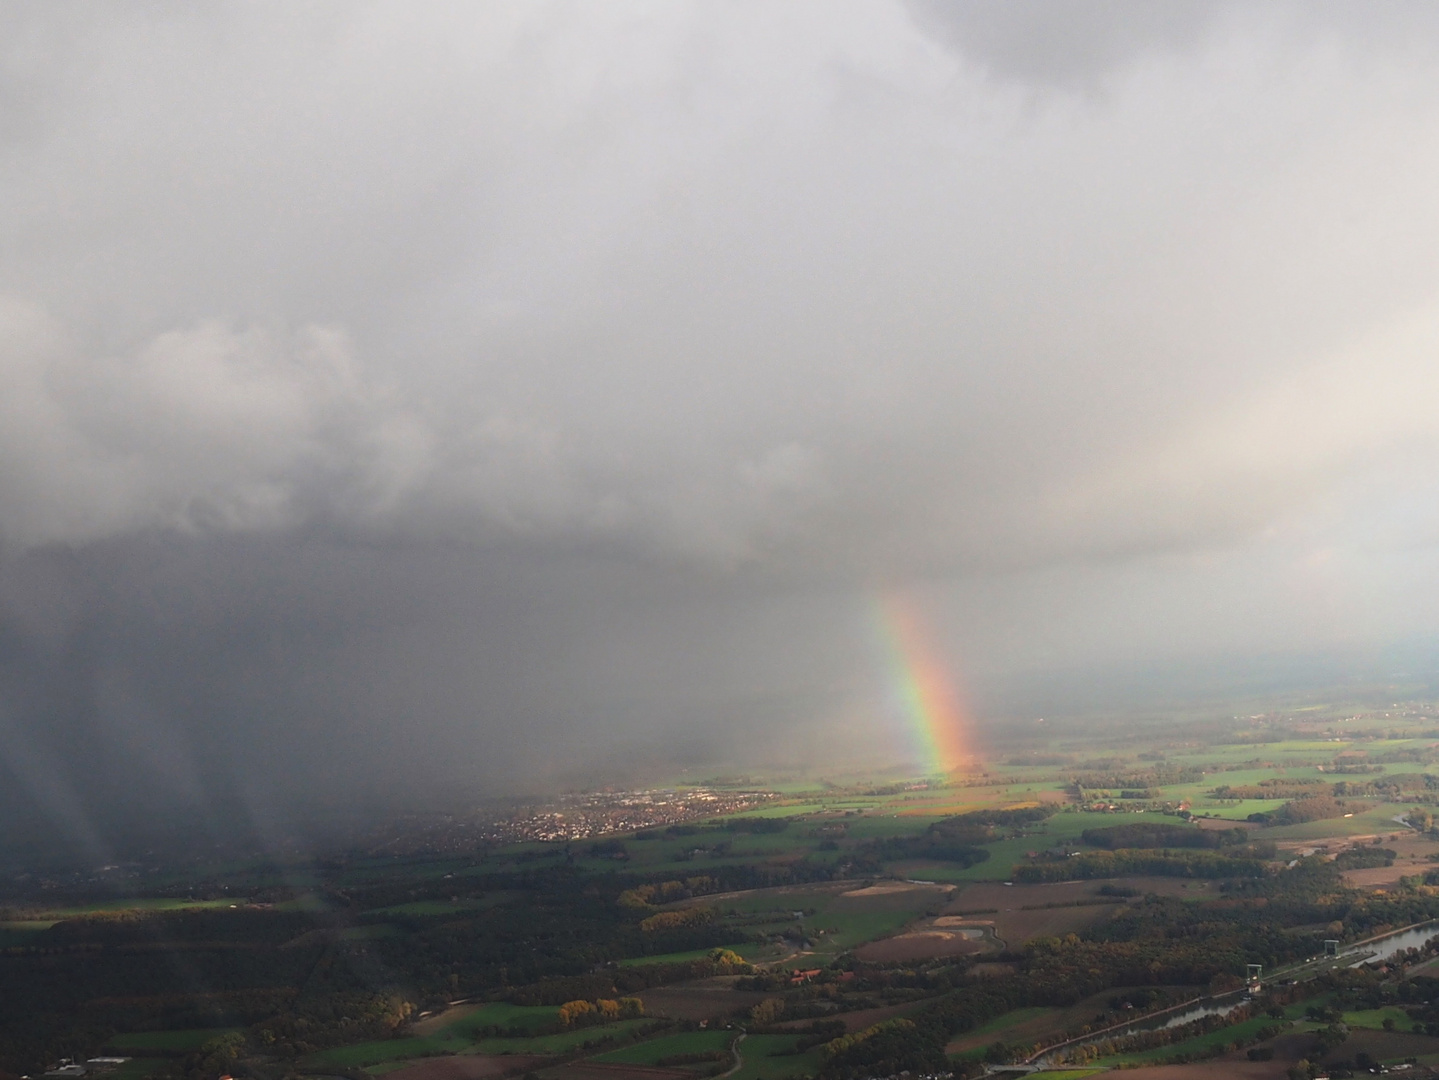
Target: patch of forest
[{"x": 1155, "y": 834}]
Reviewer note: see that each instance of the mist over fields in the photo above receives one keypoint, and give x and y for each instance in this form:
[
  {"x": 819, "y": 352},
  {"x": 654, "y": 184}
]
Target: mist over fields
[{"x": 412, "y": 403}]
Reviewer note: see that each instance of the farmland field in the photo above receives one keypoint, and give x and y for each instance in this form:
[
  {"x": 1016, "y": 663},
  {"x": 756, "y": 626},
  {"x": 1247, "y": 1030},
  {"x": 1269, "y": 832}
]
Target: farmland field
[
  {"x": 1198, "y": 1045},
  {"x": 769, "y": 1056},
  {"x": 855, "y": 908},
  {"x": 191, "y": 1039},
  {"x": 650, "y": 1053},
  {"x": 465, "y": 1067}
]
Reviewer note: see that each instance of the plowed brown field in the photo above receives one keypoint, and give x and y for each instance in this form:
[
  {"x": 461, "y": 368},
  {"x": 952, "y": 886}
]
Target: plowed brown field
[
  {"x": 920, "y": 945},
  {"x": 700, "y": 1000},
  {"x": 469, "y": 1067},
  {"x": 594, "y": 1070}
]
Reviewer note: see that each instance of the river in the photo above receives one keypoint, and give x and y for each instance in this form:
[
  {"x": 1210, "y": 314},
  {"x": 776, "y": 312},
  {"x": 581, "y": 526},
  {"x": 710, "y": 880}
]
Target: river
[{"x": 1374, "y": 950}]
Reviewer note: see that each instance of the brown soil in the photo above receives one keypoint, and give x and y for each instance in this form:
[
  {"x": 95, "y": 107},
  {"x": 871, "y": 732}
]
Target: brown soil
[
  {"x": 1405, "y": 844},
  {"x": 1376, "y": 876},
  {"x": 1429, "y": 967},
  {"x": 1222, "y": 823},
  {"x": 595, "y": 1070},
  {"x": 994, "y": 895},
  {"x": 1015, "y": 928},
  {"x": 469, "y": 1067},
  {"x": 894, "y": 887},
  {"x": 889, "y": 894},
  {"x": 984, "y": 895},
  {"x": 444, "y": 1018},
  {"x": 1411, "y": 852},
  {"x": 920, "y": 945},
  {"x": 1291, "y": 1047},
  {"x": 1015, "y": 925},
  {"x": 1383, "y": 1044},
  {"x": 703, "y": 999}
]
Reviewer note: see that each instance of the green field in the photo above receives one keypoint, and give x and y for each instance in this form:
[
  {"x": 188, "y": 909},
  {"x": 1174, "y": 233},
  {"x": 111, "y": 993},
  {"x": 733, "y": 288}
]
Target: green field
[
  {"x": 496, "y": 920},
  {"x": 769, "y": 1057},
  {"x": 1374, "y": 1018},
  {"x": 1233, "y": 810},
  {"x": 999, "y": 1025},
  {"x": 453, "y": 1041},
  {"x": 1246, "y": 1029},
  {"x": 501, "y": 1014},
  {"x": 138, "y": 904},
  {"x": 431, "y": 907},
  {"x": 24, "y": 932},
  {"x": 175, "y": 1040},
  {"x": 360, "y": 1055},
  {"x": 1374, "y": 820},
  {"x": 686, "y": 1042},
  {"x": 564, "y": 1041},
  {"x": 836, "y": 922}
]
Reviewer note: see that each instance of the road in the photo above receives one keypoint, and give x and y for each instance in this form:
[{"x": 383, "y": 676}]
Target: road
[{"x": 738, "y": 1057}]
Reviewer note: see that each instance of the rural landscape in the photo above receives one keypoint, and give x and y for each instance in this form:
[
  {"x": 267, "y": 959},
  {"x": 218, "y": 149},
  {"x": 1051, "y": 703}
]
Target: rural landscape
[
  {"x": 675, "y": 540},
  {"x": 1238, "y": 896}
]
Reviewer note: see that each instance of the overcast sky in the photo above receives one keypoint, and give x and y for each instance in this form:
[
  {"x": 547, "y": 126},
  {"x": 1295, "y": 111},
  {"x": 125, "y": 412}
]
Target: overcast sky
[{"x": 419, "y": 396}]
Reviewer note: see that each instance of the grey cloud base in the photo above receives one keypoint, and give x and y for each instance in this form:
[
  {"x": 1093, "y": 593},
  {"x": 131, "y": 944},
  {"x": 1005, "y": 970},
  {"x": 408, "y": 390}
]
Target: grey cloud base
[{"x": 400, "y": 398}]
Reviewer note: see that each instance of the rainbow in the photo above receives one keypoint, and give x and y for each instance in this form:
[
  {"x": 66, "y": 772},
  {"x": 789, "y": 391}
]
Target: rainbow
[{"x": 923, "y": 686}]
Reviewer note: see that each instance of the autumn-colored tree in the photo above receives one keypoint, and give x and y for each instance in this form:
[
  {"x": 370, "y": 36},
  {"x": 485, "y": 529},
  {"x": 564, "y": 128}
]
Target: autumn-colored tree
[
  {"x": 676, "y": 920},
  {"x": 571, "y": 1012},
  {"x": 767, "y": 1011}
]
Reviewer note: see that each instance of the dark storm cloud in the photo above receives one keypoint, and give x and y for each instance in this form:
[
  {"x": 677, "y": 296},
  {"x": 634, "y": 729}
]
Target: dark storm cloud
[
  {"x": 1068, "y": 44},
  {"x": 1076, "y": 46},
  {"x": 407, "y": 397}
]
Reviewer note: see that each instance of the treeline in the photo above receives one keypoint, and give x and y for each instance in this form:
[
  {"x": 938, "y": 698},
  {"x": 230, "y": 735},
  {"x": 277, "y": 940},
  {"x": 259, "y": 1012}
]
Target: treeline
[
  {"x": 677, "y": 920},
  {"x": 1159, "y": 835},
  {"x": 1364, "y": 858},
  {"x": 1156, "y": 777},
  {"x": 1148, "y": 1040},
  {"x": 582, "y": 1012},
  {"x": 886, "y": 1049},
  {"x": 1391, "y": 787},
  {"x": 1309, "y": 808},
  {"x": 667, "y": 892},
  {"x": 954, "y": 839},
  {"x": 759, "y": 825},
  {"x": 916, "y": 1043},
  {"x": 1107, "y": 864},
  {"x": 1019, "y": 816},
  {"x": 629, "y": 979},
  {"x": 1275, "y": 788}
]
